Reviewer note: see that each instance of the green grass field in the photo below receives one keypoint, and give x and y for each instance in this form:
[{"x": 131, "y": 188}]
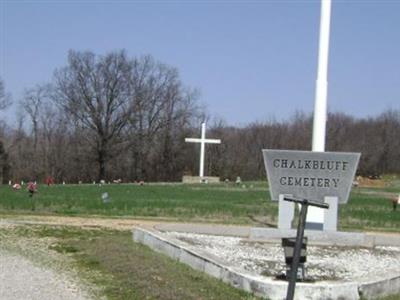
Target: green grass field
[{"x": 221, "y": 203}]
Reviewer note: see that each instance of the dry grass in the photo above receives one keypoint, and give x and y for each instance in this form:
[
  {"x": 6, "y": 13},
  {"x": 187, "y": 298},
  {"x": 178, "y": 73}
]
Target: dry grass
[{"x": 118, "y": 267}]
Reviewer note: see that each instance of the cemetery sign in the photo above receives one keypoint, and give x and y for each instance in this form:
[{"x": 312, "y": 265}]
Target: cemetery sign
[{"x": 310, "y": 175}]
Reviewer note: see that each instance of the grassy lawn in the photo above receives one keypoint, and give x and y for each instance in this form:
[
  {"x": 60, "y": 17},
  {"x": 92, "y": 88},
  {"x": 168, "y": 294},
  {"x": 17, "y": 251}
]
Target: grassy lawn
[
  {"x": 120, "y": 268},
  {"x": 221, "y": 203},
  {"x": 369, "y": 212}
]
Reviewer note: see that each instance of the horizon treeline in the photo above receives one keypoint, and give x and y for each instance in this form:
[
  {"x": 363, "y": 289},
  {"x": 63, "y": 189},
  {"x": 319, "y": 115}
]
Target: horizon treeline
[{"x": 115, "y": 117}]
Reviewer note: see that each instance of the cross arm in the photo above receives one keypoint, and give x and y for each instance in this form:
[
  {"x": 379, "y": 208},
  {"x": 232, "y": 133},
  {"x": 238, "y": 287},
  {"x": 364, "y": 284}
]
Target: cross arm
[
  {"x": 192, "y": 140},
  {"x": 208, "y": 141},
  {"x": 212, "y": 141},
  {"x": 307, "y": 202}
]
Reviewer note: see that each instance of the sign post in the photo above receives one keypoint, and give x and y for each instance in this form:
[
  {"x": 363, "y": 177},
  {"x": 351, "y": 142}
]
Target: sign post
[{"x": 299, "y": 240}]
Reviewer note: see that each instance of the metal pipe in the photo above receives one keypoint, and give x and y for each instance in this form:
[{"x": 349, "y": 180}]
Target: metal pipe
[
  {"x": 297, "y": 251},
  {"x": 306, "y": 201}
]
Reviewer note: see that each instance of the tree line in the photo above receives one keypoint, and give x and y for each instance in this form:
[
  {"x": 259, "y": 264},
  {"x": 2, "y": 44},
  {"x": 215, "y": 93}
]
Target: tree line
[
  {"x": 115, "y": 117},
  {"x": 376, "y": 138}
]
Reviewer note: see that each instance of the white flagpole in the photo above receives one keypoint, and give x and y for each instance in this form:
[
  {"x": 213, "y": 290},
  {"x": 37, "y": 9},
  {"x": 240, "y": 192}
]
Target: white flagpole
[
  {"x": 316, "y": 215},
  {"x": 320, "y": 108}
]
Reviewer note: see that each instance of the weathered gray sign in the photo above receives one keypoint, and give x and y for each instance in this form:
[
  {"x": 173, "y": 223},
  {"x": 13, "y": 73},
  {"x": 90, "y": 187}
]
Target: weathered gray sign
[{"x": 310, "y": 175}]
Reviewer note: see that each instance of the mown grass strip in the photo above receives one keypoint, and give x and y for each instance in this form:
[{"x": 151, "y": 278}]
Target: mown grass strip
[{"x": 125, "y": 270}]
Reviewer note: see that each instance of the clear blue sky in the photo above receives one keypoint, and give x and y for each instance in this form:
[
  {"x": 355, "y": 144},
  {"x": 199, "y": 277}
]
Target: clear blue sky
[{"x": 251, "y": 60}]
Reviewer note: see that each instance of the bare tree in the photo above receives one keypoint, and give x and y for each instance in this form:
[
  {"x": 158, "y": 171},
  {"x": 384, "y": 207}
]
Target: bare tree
[
  {"x": 33, "y": 102},
  {"x": 160, "y": 105},
  {"x": 5, "y": 99},
  {"x": 94, "y": 92}
]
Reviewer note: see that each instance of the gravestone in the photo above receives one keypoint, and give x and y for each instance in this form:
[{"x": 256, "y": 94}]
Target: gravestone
[
  {"x": 238, "y": 180},
  {"x": 105, "y": 197},
  {"x": 318, "y": 176}
]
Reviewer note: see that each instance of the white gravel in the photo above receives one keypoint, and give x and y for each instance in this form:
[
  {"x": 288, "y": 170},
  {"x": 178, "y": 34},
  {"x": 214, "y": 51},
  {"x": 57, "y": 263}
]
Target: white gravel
[
  {"x": 20, "y": 279},
  {"x": 323, "y": 263}
]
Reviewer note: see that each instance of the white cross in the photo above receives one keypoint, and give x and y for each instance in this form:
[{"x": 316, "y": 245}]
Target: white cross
[{"x": 202, "y": 142}]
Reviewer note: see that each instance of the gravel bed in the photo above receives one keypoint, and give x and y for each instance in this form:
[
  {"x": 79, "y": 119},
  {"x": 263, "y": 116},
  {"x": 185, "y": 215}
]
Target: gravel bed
[
  {"x": 21, "y": 279},
  {"x": 323, "y": 262}
]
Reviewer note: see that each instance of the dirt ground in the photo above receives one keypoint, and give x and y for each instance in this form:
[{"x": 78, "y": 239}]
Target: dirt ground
[{"x": 92, "y": 222}]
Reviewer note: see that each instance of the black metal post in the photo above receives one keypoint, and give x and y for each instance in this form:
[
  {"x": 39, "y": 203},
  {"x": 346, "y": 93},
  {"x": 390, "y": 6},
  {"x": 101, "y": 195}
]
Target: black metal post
[
  {"x": 299, "y": 239},
  {"x": 297, "y": 251}
]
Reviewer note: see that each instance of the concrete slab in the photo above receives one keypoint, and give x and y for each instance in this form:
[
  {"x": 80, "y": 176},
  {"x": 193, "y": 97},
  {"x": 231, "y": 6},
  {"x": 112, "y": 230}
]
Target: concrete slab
[
  {"x": 385, "y": 287},
  {"x": 341, "y": 238},
  {"x": 212, "y": 229},
  {"x": 314, "y": 236},
  {"x": 260, "y": 285}
]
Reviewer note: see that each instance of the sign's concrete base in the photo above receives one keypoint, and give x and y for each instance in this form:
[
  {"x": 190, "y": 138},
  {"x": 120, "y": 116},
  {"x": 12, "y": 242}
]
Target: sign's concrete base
[
  {"x": 329, "y": 220},
  {"x": 315, "y": 237}
]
